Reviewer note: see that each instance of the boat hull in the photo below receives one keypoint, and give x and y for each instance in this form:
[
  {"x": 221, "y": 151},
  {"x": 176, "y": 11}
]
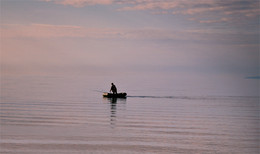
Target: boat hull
[{"x": 118, "y": 95}]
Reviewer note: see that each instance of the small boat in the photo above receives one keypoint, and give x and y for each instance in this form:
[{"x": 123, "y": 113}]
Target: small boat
[{"x": 118, "y": 95}]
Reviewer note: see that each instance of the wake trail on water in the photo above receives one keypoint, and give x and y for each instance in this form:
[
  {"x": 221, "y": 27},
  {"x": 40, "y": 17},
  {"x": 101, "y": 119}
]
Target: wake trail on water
[
  {"x": 153, "y": 96},
  {"x": 184, "y": 97},
  {"x": 171, "y": 97},
  {"x": 193, "y": 97}
]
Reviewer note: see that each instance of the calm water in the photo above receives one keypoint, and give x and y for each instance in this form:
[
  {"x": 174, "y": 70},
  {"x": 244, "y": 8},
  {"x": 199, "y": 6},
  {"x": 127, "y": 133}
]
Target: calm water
[{"x": 54, "y": 114}]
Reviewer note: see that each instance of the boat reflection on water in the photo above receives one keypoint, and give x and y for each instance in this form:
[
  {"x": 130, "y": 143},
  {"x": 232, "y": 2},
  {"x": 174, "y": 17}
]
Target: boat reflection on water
[{"x": 113, "y": 108}]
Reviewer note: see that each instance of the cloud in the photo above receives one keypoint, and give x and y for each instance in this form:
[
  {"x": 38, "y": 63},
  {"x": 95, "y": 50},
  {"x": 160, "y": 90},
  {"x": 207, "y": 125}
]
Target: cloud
[
  {"x": 253, "y": 77},
  {"x": 150, "y": 5},
  {"x": 44, "y": 31},
  {"x": 81, "y": 3},
  {"x": 53, "y": 31},
  {"x": 39, "y": 31},
  {"x": 215, "y": 21},
  {"x": 63, "y": 31},
  {"x": 204, "y": 11},
  {"x": 58, "y": 31}
]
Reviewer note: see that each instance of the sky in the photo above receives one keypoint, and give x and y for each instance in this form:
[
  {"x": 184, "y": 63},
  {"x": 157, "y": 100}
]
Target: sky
[{"x": 183, "y": 38}]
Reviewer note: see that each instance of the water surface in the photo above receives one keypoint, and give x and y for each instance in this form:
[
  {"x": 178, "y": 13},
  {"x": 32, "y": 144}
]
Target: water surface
[{"x": 54, "y": 114}]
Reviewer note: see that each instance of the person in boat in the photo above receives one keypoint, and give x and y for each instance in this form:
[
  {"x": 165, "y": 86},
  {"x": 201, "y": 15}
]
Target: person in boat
[{"x": 113, "y": 88}]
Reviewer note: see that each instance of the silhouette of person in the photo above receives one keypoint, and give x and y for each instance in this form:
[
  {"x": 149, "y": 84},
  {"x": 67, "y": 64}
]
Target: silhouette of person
[{"x": 113, "y": 88}]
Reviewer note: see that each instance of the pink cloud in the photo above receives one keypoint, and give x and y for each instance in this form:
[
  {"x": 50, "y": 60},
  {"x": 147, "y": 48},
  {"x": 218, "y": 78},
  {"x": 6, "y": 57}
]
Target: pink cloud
[
  {"x": 204, "y": 7},
  {"x": 62, "y": 31},
  {"x": 193, "y": 11},
  {"x": 215, "y": 21},
  {"x": 150, "y": 5},
  {"x": 203, "y": 10},
  {"x": 250, "y": 13},
  {"x": 39, "y": 31},
  {"x": 43, "y": 31},
  {"x": 53, "y": 31},
  {"x": 81, "y": 3}
]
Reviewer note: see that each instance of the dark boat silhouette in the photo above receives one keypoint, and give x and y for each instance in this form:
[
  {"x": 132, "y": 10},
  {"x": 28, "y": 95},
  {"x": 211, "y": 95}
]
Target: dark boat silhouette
[{"x": 118, "y": 95}]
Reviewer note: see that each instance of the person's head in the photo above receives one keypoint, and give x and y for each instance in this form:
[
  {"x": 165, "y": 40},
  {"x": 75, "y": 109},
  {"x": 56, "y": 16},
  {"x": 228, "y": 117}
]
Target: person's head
[{"x": 112, "y": 83}]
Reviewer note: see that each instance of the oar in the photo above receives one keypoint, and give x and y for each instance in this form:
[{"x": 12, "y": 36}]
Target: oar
[{"x": 99, "y": 91}]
